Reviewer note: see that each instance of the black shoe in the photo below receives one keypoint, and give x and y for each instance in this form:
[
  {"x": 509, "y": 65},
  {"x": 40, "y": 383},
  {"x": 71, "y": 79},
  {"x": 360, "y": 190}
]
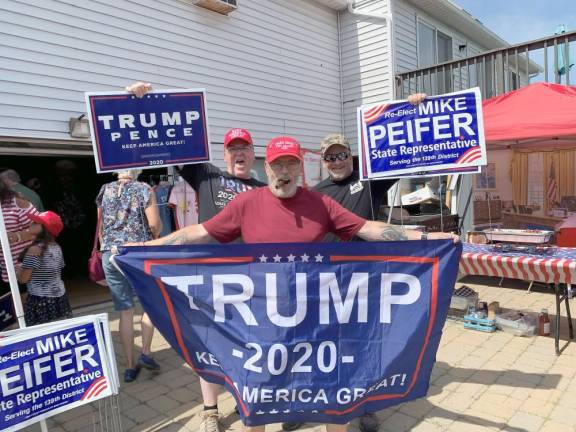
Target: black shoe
[
  {"x": 148, "y": 362},
  {"x": 130, "y": 375},
  {"x": 291, "y": 426},
  {"x": 369, "y": 423}
]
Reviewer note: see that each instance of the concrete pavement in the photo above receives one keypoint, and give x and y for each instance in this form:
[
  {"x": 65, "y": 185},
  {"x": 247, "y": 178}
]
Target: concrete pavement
[{"x": 481, "y": 382}]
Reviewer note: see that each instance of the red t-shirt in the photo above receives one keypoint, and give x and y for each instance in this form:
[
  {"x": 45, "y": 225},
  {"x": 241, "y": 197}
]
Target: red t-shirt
[{"x": 259, "y": 217}]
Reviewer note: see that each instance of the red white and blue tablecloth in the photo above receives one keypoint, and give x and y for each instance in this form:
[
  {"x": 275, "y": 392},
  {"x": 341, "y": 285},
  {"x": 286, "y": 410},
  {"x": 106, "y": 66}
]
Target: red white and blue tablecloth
[{"x": 558, "y": 265}]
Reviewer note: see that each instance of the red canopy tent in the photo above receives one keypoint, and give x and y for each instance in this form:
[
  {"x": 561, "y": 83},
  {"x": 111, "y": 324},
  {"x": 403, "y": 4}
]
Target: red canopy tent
[
  {"x": 541, "y": 115},
  {"x": 534, "y": 113}
]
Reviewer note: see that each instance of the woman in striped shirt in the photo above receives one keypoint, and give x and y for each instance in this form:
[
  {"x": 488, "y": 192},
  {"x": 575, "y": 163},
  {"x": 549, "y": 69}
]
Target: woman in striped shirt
[
  {"x": 18, "y": 226},
  {"x": 42, "y": 272}
]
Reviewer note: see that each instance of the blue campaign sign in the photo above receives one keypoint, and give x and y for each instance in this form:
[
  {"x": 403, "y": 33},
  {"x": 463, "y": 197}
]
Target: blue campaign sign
[
  {"x": 442, "y": 133},
  {"x": 302, "y": 332},
  {"x": 50, "y": 372},
  {"x": 164, "y": 128}
]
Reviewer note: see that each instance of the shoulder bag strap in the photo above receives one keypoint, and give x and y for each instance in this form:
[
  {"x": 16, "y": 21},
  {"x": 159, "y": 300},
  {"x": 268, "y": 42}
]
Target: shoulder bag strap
[{"x": 98, "y": 223}]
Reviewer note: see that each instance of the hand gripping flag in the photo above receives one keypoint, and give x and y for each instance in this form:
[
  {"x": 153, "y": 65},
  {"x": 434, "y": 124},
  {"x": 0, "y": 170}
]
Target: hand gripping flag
[{"x": 302, "y": 332}]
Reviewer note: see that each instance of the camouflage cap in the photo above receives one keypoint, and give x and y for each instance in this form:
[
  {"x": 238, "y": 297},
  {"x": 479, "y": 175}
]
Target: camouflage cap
[{"x": 331, "y": 140}]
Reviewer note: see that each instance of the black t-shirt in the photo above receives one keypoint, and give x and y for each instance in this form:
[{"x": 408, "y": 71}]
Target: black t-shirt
[
  {"x": 215, "y": 188},
  {"x": 356, "y": 195}
]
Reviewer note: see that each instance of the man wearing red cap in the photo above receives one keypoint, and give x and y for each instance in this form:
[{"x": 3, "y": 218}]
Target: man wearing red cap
[
  {"x": 284, "y": 212},
  {"x": 215, "y": 189}
]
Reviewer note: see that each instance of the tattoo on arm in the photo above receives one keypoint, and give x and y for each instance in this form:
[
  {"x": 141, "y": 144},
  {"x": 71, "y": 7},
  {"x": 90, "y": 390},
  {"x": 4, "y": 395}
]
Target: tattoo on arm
[{"x": 391, "y": 233}]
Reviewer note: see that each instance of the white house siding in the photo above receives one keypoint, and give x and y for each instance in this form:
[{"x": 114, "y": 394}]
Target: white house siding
[
  {"x": 367, "y": 72},
  {"x": 272, "y": 66},
  {"x": 366, "y": 67},
  {"x": 406, "y": 18}
]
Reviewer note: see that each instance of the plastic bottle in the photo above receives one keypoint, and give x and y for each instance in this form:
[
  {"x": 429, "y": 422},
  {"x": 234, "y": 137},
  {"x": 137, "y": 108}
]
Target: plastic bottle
[{"x": 544, "y": 323}]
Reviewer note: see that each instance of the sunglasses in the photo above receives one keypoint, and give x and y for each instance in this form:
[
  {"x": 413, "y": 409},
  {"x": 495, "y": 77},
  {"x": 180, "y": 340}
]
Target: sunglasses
[{"x": 336, "y": 156}]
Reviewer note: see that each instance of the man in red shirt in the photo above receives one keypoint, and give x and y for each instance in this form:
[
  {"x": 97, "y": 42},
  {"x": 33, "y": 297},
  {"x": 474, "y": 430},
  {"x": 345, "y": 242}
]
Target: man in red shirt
[{"x": 283, "y": 212}]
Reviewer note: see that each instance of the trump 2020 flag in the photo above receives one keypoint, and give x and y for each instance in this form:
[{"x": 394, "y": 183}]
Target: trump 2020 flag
[{"x": 320, "y": 332}]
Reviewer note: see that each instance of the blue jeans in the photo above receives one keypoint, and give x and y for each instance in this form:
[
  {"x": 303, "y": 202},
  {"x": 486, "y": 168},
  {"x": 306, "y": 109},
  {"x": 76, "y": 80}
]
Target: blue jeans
[{"x": 122, "y": 292}]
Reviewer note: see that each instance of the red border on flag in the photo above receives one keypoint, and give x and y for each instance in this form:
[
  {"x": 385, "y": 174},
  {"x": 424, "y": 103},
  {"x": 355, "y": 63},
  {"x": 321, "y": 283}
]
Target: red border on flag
[{"x": 434, "y": 261}]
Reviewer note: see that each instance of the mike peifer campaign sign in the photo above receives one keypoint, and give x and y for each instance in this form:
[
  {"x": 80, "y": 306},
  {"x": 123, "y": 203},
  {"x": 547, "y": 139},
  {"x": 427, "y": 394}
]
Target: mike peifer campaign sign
[
  {"x": 319, "y": 332},
  {"x": 163, "y": 128},
  {"x": 51, "y": 368},
  {"x": 441, "y": 133}
]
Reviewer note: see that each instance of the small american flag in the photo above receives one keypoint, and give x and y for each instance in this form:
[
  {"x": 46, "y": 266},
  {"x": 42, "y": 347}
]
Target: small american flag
[{"x": 552, "y": 192}]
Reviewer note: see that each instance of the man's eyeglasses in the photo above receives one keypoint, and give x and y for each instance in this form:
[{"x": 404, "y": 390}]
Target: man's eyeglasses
[
  {"x": 289, "y": 164},
  {"x": 336, "y": 156},
  {"x": 238, "y": 149}
]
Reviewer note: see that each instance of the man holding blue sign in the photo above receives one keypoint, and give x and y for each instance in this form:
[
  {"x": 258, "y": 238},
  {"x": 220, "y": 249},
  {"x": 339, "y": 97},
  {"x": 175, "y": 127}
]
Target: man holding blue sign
[
  {"x": 344, "y": 185},
  {"x": 284, "y": 212},
  {"x": 215, "y": 189},
  {"x": 363, "y": 198}
]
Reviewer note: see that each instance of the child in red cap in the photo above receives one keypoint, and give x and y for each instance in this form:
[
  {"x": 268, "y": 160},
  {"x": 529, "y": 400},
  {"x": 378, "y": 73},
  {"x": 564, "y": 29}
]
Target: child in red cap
[{"x": 41, "y": 270}]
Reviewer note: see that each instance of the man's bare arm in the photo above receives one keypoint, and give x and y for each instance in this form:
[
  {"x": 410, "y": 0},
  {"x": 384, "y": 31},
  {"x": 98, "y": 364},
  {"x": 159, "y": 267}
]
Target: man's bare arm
[
  {"x": 192, "y": 234},
  {"x": 381, "y": 231}
]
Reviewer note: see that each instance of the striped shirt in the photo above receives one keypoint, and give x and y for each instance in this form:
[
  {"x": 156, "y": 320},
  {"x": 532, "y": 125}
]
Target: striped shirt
[
  {"x": 46, "y": 280},
  {"x": 15, "y": 219}
]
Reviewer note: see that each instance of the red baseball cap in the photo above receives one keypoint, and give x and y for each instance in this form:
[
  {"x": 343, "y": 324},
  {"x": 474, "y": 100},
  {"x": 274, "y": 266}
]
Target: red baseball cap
[
  {"x": 237, "y": 134},
  {"x": 282, "y": 146},
  {"x": 50, "y": 221}
]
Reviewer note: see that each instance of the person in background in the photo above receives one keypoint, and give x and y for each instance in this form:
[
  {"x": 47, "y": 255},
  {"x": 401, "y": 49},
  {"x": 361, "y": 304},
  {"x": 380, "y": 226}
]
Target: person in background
[
  {"x": 36, "y": 185},
  {"x": 215, "y": 189},
  {"x": 284, "y": 212},
  {"x": 16, "y": 212},
  {"x": 13, "y": 180},
  {"x": 41, "y": 271},
  {"x": 128, "y": 213},
  {"x": 67, "y": 197}
]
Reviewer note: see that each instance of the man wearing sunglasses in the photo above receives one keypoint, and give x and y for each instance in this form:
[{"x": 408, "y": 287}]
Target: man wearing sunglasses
[
  {"x": 360, "y": 197},
  {"x": 344, "y": 185}
]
